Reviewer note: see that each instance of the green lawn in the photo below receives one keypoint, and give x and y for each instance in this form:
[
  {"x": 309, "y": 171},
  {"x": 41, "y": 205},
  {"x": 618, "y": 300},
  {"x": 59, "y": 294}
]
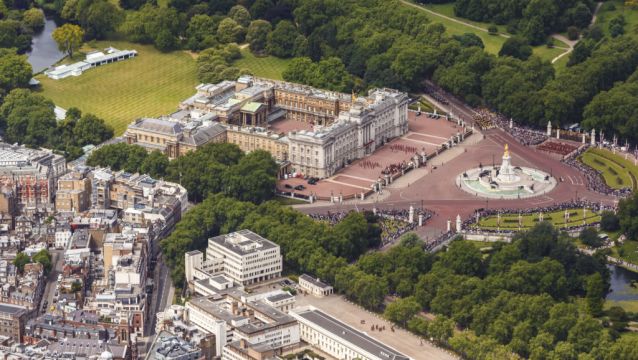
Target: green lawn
[
  {"x": 151, "y": 84},
  {"x": 605, "y": 15},
  {"x": 628, "y": 251},
  {"x": 549, "y": 54},
  {"x": 288, "y": 201},
  {"x": 615, "y": 176},
  {"x": 629, "y": 305},
  {"x": 267, "y": 66},
  {"x": 493, "y": 43},
  {"x": 448, "y": 10},
  {"x": 627, "y": 171},
  {"x": 557, "y": 218}
]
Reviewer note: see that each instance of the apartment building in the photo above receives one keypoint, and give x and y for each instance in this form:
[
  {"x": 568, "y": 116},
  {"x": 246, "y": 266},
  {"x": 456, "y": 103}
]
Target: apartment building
[
  {"x": 74, "y": 192},
  {"x": 243, "y": 256},
  {"x": 143, "y": 198},
  {"x": 25, "y": 290},
  {"x": 231, "y": 319},
  {"x": 12, "y": 321},
  {"x": 30, "y": 175}
]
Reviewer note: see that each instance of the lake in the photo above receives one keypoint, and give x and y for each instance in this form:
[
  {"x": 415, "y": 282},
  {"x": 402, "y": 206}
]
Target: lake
[
  {"x": 621, "y": 284},
  {"x": 44, "y": 51}
]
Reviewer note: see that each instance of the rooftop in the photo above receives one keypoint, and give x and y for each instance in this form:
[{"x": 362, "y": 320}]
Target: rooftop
[
  {"x": 345, "y": 332},
  {"x": 243, "y": 242}
]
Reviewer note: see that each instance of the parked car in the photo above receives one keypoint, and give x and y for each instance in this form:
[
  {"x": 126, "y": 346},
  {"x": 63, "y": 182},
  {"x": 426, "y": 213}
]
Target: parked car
[
  {"x": 300, "y": 187},
  {"x": 288, "y": 186}
]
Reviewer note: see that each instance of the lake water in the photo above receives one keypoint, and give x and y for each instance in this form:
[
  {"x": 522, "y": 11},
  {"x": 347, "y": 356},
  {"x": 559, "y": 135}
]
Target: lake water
[
  {"x": 621, "y": 284},
  {"x": 44, "y": 51}
]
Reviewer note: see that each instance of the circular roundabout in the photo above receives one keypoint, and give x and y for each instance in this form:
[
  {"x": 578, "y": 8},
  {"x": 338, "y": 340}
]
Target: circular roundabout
[{"x": 506, "y": 181}]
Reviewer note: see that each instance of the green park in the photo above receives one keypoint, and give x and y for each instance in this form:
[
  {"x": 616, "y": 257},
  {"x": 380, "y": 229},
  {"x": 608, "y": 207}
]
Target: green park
[{"x": 557, "y": 218}]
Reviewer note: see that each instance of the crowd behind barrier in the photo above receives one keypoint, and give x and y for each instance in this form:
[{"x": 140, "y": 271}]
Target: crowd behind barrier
[
  {"x": 556, "y": 147},
  {"x": 575, "y": 205},
  {"x": 390, "y": 235},
  {"x": 524, "y": 135},
  {"x": 436, "y": 93},
  {"x": 441, "y": 239},
  {"x": 594, "y": 179}
]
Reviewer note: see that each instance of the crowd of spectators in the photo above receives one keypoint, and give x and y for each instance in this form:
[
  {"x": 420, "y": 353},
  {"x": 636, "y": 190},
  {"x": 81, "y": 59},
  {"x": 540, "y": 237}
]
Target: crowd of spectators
[
  {"x": 441, "y": 239},
  {"x": 557, "y": 147},
  {"x": 394, "y": 223},
  {"x": 570, "y": 205},
  {"x": 436, "y": 94},
  {"x": 593, "y": 178},
  {"x": 524, "y": 135}
]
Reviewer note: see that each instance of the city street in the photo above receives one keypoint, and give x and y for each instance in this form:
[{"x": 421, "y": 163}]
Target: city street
[{"x": 57, "y": 261}]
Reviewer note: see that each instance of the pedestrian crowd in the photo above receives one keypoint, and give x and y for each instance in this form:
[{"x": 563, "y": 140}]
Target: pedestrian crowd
[
  {"x": 436, "y": 94},
  {"x": 574, "y": 206},
  {"x": 441, "y": 239},
  {"x": 391, "y": 231},
  {"x": 593, "y": 178},
  {"x": 557, "y": 147},
  {"x": 524, "y": 135}
]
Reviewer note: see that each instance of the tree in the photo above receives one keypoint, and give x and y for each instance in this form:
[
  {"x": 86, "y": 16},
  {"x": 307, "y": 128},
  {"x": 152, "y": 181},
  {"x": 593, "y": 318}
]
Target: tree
[
  {"x": 589, "y": 237},
  {"x": 609, "y": 221},
  {"x": 628, "y": 215},
  {"x": 240, "y": 14},
  {"x": 281, "y": 40},
  {"x": 120, "y": 156},
  {"x": 28, "y": 118},
  {"x": 68, "y": 37},
  {"x": 91, "y": 130},
  {"x": 257, "y": 35},
  {"x": 469, "y": 40},
  {"x": 585, "y": 334},
  {"x": 516, "y": 47},
  {"x": 463, "y": 258},
  {"x": 441, "y": 329},
  {"x": 44, "y": 258},
  {"x": 34, "y": 19},
  {"x": 229, "y": 31},
  {"x": 165, "y": 41},
  {"x": 596, "y": 291},
  {"x": 200, "y": 32},
  {"x": 401, "y": 311},
  {"x": 20, "y": 260},
  {"x": 155, "y": 164},
  {"x": 15, "y": 70},
  {"x": 76, "y": 286},
  {"x": 100, "y": 18}
]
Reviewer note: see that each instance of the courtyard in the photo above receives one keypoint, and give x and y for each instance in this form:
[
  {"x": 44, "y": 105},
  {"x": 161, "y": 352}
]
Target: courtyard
[{"x": 424, "y": 135}]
